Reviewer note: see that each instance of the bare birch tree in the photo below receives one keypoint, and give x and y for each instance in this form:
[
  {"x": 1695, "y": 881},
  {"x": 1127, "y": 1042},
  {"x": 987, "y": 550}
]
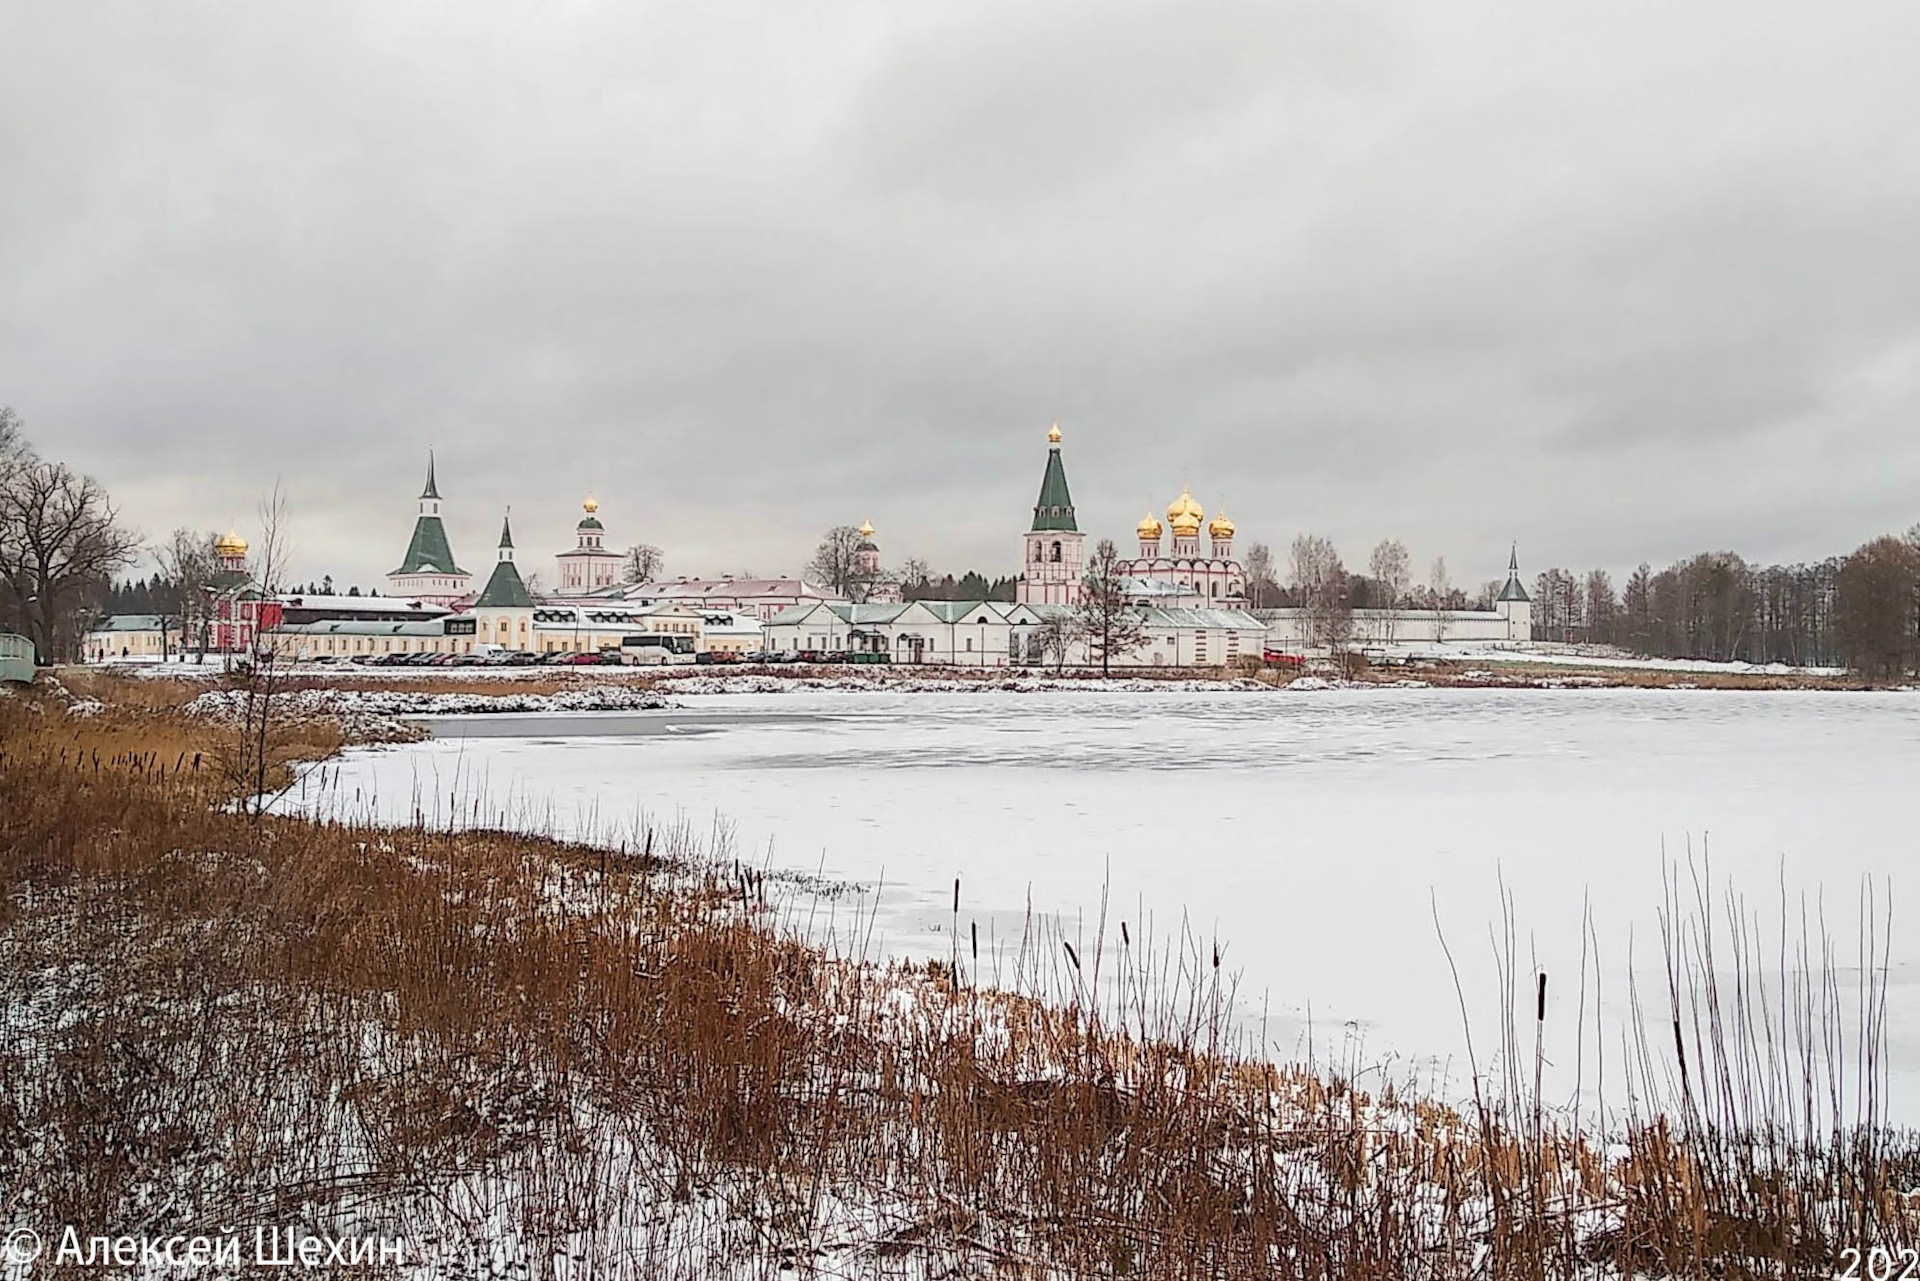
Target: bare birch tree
[
  {"x": 1441, "y": 585},
  {"x": 1263, "y": 585},
  {"x": 1389, "y": 569},
  {"x": 1320, "y": 583}
]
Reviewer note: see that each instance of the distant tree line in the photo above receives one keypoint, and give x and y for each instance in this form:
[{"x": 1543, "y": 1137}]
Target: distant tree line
[
  {"x": 971, "y": 585},
  {"x": 1860, "y": 611}
]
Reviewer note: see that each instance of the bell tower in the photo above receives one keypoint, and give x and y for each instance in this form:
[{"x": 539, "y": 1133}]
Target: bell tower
[{"x": 1056, "y": 553}]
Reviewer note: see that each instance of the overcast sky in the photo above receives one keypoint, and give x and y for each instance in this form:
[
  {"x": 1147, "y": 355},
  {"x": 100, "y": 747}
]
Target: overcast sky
[{"x": 1617, "y": 280}]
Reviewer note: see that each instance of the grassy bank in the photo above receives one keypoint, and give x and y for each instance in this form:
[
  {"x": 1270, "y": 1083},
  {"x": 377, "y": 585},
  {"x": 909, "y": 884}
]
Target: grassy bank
[{"x": 522, "y": 1055}]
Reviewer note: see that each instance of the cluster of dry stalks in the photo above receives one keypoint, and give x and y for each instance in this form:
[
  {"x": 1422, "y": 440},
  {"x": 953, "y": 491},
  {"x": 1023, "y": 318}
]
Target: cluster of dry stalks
[{"x": 527, "y": 1056}]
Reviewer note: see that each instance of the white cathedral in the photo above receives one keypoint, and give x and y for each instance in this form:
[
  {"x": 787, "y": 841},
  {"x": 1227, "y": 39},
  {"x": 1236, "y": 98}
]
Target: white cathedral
[{"x": 1180, "y": 576}]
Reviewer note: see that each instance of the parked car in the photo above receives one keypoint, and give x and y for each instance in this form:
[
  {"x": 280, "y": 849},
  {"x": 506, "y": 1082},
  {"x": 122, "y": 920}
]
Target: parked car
[
  {"x": 580, "y": 660},
  {"x": 466, "y": 660},
  {"x": 1279, "y": 658}
]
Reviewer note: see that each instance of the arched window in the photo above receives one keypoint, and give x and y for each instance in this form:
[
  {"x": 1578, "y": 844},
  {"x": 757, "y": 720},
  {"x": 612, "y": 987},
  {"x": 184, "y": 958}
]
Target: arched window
[{"x": 1056, "y": 551}]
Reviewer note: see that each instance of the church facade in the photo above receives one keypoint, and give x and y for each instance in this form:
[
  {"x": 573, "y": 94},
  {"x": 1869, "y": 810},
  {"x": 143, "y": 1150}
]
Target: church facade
[{"x": 590, "y": 566}]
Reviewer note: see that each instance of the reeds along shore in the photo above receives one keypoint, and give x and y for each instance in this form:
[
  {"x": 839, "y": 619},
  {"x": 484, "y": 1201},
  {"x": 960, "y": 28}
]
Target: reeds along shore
[{"x": 529, "y": 1057}]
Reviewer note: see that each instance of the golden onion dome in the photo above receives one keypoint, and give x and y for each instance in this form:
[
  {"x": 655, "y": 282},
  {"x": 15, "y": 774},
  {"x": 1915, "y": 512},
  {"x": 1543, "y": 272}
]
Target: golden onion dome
[
  {"x": 592, "y": 505},
  {"x": 1053, "y": 434},
  {"x": 230, "y": 544},
  {"x": 1220, "y": 526},
  {"x": 1184, "y": 514},
  {"x": 1149, "y": 528},
  {"x": 866, "y": 529}
]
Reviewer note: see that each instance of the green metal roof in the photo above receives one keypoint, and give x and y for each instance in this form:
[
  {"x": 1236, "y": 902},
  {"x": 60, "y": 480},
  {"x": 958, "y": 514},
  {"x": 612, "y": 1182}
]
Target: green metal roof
[
  {"x": 1513, "y": 590},
  {"x": 1055, "y": 508},
  {"x": 962, "y": 611},
  {"x": 504, "y": 590},
  {"x": 432, "y": 490},
  {"x": 428, "y": 551}
]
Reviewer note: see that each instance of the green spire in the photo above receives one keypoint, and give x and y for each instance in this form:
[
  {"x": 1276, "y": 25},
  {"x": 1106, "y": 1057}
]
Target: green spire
[
  {"x": 1055, "y": 509},
  {"x": 505, "y": 590},
  {"x": 429, "y": 552},
  {"x": 1513, "y": 590}
]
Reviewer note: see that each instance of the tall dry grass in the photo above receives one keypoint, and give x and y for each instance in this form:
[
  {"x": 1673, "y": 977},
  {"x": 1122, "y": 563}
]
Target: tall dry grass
[{"x": 532, "y": 1057}]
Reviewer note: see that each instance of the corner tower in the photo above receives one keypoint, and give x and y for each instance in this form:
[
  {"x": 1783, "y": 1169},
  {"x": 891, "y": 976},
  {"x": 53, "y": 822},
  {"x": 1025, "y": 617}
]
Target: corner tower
[
  {"x": 1056, "y": 553},
  {"x": 1513, "y": 604},
  {"x": 428, "y": 571}
]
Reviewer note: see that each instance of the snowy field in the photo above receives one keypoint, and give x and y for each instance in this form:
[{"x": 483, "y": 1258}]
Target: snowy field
[{"x": 1307, "y": 832}]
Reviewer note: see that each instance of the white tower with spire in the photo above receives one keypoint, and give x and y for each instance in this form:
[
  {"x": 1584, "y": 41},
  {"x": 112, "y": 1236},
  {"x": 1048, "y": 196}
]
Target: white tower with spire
[
  {"x": 1513, "y": 604},
  {"x": 428, "y": 571}
]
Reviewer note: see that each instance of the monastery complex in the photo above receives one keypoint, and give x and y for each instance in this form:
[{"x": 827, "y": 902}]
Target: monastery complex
[{"x": 1184, "y": 584}]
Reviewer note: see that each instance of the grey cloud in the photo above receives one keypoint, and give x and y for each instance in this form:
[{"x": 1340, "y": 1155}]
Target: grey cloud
[{"x": 1585, "y": 275}]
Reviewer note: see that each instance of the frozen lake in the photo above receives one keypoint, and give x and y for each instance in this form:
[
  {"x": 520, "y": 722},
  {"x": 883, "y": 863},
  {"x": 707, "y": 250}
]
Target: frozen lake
[{"x": 1307, "y": 832}]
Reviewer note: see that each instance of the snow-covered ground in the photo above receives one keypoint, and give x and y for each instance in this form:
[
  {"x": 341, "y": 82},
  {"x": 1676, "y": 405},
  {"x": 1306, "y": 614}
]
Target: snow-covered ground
[
  {"x": 1569, "y": 656},
  {"x": 1314, "y": 834}
]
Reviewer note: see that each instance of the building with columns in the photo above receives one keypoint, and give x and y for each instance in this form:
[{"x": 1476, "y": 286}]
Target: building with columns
[
  {"x": 590, "y": 567},
  {"x": 428, "y": 571},
  {"x": 1055, "y": 556}
]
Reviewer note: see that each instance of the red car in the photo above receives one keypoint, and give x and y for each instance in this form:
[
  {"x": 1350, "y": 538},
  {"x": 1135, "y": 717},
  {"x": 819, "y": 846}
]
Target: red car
[{"x": 582, "y": 660}]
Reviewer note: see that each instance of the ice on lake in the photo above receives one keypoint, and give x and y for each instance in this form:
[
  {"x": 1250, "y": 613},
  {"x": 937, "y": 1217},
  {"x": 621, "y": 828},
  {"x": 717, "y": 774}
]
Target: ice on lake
[{"x": 1315, "y": 835}]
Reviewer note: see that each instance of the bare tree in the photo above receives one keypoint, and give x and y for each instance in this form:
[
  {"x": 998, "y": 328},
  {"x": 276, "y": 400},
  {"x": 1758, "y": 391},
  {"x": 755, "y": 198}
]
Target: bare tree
[
  {"x": 1876, "y": 596},
  {"x": 14, "y": 451},
  {"x": 838, "y": 566},
  {"x": 1056, "y": 636},
  {"x": 1320, "y": 582},
  {"x": 644, "y": 564},
  {"x": 60, "y": 539},
  {"x": 914, "y": 573},
  {"x": 1263, "y": 584},
  {"x": 189, "y": 563},
  {"x": 1602, "y": 607},
  {"x": 1111, "y": 626},
  {"x": 1390, "y": 571},
  {"x": 259, "y": 749},
  {"x": 1441, "y": 586}
]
